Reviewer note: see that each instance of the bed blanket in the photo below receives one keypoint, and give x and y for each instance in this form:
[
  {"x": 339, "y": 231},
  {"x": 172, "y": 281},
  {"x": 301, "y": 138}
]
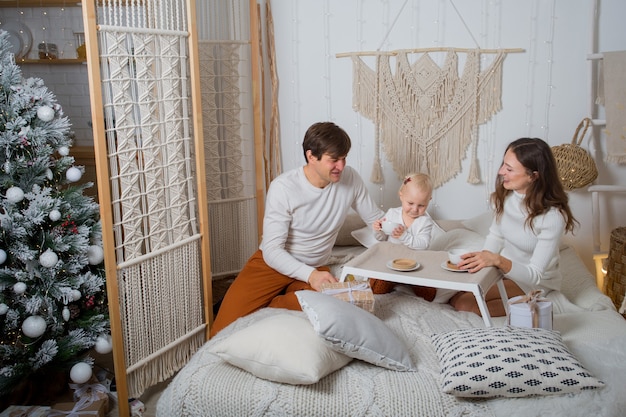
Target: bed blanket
[
  {"x": 591, "y": 328},
  {"x": 208, "y": 386}
]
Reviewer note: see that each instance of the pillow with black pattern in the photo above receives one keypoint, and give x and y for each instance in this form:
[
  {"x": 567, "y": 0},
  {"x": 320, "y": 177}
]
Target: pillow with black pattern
[{"x": 508, "y": 362}]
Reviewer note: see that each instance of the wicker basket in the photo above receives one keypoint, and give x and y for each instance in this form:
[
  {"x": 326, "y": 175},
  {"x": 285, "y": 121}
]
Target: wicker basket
[
  {"x": 576, "y": 167},
  {"x": 615, "y": 281}
]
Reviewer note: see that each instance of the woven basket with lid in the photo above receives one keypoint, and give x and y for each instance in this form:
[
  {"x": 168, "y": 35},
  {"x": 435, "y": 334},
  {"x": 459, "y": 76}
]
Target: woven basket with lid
[{"x": 615, "y": 281}]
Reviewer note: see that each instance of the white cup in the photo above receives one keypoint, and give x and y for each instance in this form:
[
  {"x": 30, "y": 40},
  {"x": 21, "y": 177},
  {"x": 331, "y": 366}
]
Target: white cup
[
  {"x": 454, "y": 255},
  {"x": 388, "y": 226}
]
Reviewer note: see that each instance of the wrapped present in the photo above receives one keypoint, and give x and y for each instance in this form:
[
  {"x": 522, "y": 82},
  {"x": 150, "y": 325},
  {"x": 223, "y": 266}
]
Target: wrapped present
[
  {"x": 530, "y": 310},
  {"x": 90, "y": 399},
  {"x": 25, "y": 411},
  {"x": 357, "y": 293}
]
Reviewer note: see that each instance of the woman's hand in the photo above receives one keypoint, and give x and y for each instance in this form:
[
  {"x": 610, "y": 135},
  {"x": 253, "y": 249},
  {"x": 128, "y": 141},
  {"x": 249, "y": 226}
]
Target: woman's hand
[
  {"x": 378, "y": 224},
  {"x": 475, "y": 261}
]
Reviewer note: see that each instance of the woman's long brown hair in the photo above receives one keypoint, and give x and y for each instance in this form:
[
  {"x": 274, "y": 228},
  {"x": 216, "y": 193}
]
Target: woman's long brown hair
[{"x": 546, "y": 191}]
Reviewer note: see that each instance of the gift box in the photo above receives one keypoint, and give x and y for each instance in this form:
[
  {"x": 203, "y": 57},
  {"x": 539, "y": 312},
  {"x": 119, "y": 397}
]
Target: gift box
[
  {"x": 530, "y": 310},
  {"x": 90, "y": 399},
  {"x": 96, "y": 408},
  {"x": 358, "y": 293},
  {"x": 25, "y": 411}
]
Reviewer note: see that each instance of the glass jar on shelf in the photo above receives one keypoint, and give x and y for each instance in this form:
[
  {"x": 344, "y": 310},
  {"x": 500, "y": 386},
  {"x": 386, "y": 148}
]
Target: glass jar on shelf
[{"x": 48, "y": 50}]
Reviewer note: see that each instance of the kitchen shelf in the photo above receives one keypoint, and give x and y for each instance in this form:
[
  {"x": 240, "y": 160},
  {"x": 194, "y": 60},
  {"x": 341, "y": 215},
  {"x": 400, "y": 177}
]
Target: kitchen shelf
[
  {"x": 51, "y": 61},
  {"x": 39, "y": 3}
]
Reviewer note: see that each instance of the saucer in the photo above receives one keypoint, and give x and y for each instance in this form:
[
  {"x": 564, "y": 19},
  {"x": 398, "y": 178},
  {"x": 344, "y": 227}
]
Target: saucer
[
  {"x": 403, "y": 265},
  {"x": 451, "y": 267}
]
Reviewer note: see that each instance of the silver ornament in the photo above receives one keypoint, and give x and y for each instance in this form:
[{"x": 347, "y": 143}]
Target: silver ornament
[
  {"x": 54, "y": 215},
  {"x": 34, "y": 326},
  {"x": 15, "y": 194},
  {"x": 66, "y": 313},
  {"x": 19, "y": 288},
  {"x": 73, "y": 174},
  {"x": 45, "y": 113},
  {"x": 48, "y": 259}
]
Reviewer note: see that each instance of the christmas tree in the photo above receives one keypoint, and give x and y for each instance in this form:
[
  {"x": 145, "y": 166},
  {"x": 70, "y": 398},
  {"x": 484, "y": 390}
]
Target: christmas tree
[{"x": 52, "y": 282}]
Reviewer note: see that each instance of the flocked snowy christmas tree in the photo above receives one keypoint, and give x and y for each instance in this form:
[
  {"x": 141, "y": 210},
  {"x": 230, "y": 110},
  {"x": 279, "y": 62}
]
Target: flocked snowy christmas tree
[{"x": 52, "y": 285}]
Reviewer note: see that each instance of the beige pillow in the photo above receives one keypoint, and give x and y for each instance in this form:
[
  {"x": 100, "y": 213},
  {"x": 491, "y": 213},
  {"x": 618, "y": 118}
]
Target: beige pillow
[
  {"x": 353, "y": 222},
  {"x": 282, "y": 348}
]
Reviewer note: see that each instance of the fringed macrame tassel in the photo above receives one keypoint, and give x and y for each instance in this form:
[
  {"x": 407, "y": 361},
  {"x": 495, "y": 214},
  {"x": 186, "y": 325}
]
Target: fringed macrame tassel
[
  {"x": 474, "y": 174},
  {"x": 377, "y": 172}
]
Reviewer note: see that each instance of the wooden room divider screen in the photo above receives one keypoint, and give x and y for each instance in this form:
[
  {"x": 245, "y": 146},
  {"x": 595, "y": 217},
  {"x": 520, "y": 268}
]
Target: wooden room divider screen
[{"x": 145, "y": 101}]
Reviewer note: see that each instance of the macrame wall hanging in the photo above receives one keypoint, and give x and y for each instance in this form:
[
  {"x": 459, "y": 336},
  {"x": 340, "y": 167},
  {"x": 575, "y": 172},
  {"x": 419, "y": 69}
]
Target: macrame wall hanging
[{"x": 426, "y": 115}]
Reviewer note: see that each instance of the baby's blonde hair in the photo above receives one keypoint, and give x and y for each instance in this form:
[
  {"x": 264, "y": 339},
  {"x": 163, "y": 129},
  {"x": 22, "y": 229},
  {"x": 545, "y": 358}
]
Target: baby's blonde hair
[{"x": 419, "y": 180}]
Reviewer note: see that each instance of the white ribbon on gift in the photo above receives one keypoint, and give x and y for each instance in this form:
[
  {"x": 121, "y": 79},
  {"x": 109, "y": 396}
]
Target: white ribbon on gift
[
  {"x": 351, "y": 287},
  {"x": 86, "y": 394}
]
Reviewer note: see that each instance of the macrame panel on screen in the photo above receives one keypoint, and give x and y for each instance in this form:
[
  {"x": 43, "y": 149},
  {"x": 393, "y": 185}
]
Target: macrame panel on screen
[{"x": 146, "y": 88}]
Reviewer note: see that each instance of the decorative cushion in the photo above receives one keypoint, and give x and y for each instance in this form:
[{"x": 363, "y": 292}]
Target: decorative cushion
[
  {"x": 282, "y": 348},
  {"x": 479, "y": 224},
  {"x": 354, "y": 332},
  {"x": 508, "y": 362},
  {"x": 352, "y": 222}
]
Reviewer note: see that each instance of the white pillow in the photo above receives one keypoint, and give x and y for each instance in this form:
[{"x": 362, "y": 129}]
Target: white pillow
[
  {"x": 479, "y": 224},
  {"x": 508, "y": 362},
  {"x": 345, "y": 237},
  {"x": 282, "y": 348},
  {"x": 354, "y": 332}
]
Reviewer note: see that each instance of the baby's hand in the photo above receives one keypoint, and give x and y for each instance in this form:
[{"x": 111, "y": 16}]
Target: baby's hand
[{"x": 398, "y": 232}]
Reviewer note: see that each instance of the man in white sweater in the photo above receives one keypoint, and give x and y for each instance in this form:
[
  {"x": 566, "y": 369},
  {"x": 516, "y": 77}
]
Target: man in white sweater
[{"x": 304, "y": 210}]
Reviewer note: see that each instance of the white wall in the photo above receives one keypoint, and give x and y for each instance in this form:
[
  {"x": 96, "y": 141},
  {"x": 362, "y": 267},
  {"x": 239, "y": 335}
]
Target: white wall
[{"x": 545, "y": 89}]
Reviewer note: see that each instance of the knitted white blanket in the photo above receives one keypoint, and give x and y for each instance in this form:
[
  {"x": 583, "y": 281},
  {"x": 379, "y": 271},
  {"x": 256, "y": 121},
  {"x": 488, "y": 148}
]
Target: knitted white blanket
[{"x": 208, "y": 386}]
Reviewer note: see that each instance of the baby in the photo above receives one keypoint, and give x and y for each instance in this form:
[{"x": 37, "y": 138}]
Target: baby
[{"x": 415, "y": 226}]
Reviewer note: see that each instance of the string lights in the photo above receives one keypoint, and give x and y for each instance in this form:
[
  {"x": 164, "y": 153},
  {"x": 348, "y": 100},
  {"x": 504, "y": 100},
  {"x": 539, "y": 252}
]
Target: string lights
[
  {"x": 295, "y": 82},
  {"x": 327, "y": 58}
]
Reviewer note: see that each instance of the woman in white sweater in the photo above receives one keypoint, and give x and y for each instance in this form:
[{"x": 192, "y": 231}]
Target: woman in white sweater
[{"x": 531, "y": 216}]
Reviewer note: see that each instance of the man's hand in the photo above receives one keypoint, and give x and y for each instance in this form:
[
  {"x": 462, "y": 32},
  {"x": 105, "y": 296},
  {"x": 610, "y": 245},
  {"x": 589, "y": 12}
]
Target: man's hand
[{"x": 317, "y": 278}]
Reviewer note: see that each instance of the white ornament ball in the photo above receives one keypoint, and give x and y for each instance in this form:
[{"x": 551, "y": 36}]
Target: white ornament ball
[
  {"x": 19, "y": 288},
  {"x": 54, "y": 215},
  {"x": 80, "y": 373},
  {"x": 63, "y": 150},
  {"x": 48, "y": 259},
  {"x": 76, "y": 295},
  {"x": 103, "y": 344},
  {"x": 3, "y": 256},
  {"x": 3, "y": 309},
  {"x": 15, "y": 194},
  {"x": 95, "y": 255},
  {"x": 34, "y": 326},
  {"x": 45, "y": 113},
  {"x": 73, "y": 174},
  {"x": 49, "y": 174}
]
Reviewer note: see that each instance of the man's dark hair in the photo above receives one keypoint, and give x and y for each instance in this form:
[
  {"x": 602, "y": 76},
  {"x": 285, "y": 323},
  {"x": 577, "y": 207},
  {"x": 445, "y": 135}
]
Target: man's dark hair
[{"x": 326, "y": 137}]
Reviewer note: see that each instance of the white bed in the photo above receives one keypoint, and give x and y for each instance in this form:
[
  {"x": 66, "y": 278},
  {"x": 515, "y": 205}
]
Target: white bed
[{"x": 590, "y": 328}]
